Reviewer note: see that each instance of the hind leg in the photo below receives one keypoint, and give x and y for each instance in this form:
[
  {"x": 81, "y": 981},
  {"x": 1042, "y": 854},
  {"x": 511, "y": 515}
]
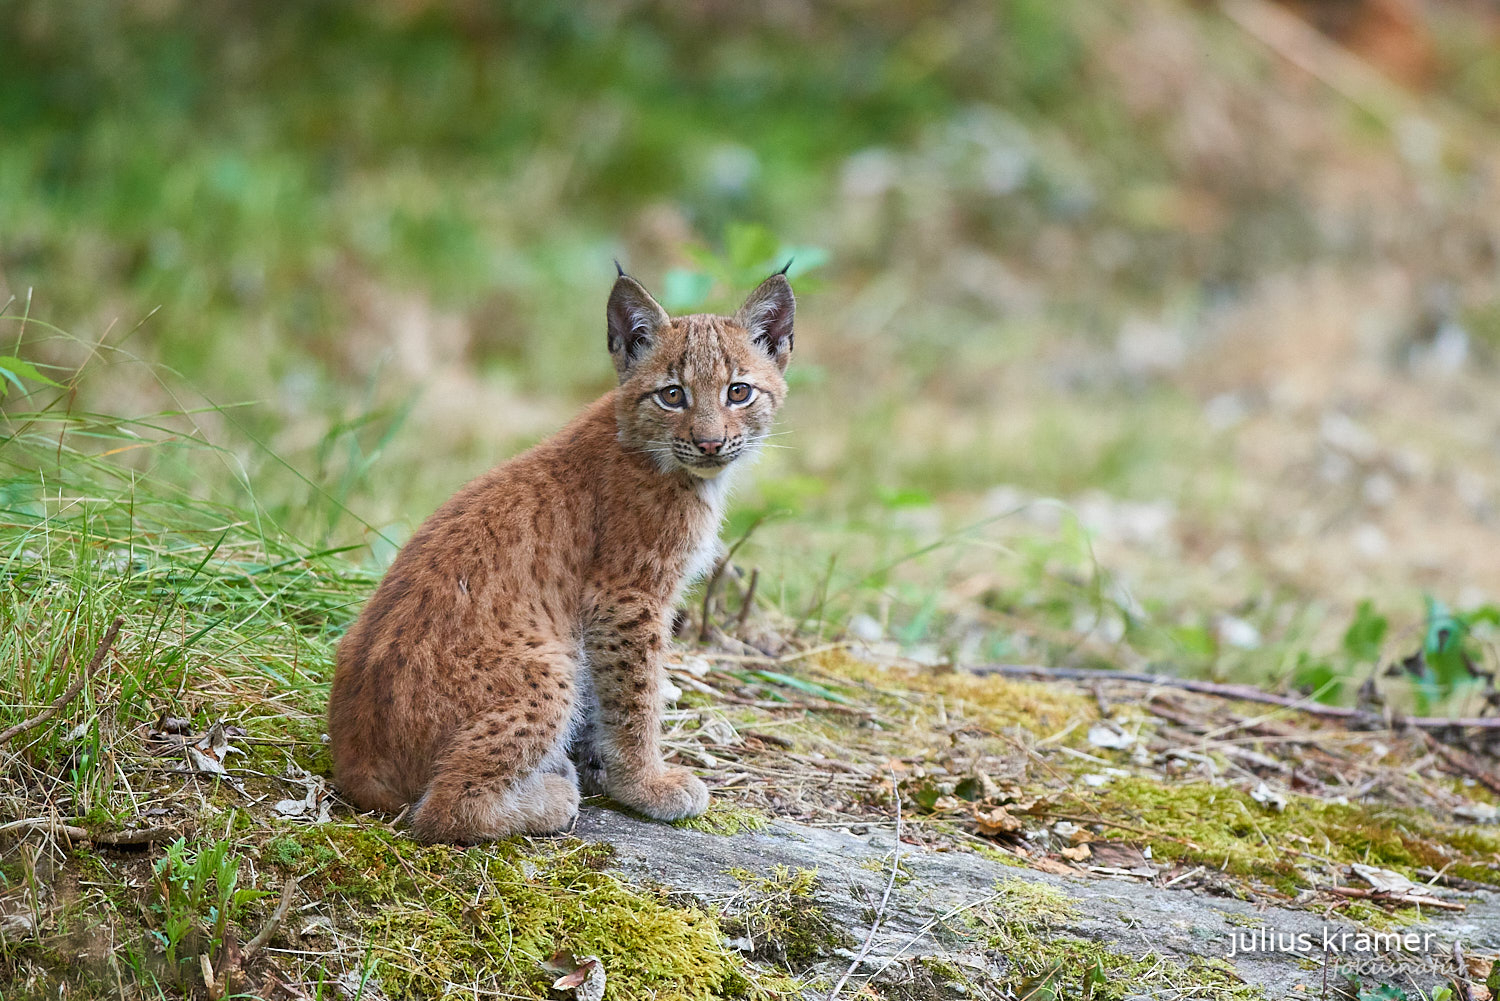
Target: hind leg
[{"x": 505, "y": 772}]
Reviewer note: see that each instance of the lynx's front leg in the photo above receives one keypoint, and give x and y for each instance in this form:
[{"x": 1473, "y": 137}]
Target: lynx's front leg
[{"x": 625, "y": 649}]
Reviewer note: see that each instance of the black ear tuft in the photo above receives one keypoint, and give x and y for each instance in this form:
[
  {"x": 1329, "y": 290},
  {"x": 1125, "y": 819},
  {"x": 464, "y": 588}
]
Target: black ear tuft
[
  {"x": 787, "y": 266},
  {"x": 632, "y": 318},
  {"x": 621, "y": 271},
  {"x": 767, "y": 314}
]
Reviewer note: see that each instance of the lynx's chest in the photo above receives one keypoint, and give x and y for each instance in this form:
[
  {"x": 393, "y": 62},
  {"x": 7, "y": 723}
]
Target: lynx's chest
[{"x": 703, "y": 546}]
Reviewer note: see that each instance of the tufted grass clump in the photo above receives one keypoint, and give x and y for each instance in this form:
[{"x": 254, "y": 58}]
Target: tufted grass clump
[
  {"x": 780, "y": 916},
  {"x": 1026, "y": 922}
]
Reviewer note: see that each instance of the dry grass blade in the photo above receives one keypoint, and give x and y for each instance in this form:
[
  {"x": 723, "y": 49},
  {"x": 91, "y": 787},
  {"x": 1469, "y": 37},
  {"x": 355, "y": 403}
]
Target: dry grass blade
[
  {"x": 884, "y": 897},
  {"x": 72, "y": 693}
]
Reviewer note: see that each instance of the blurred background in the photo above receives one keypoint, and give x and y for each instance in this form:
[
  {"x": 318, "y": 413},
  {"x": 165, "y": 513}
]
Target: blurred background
[{"x": 1153, "y": 334}]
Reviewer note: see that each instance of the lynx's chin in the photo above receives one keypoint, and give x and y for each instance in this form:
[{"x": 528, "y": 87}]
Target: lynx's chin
[{"x": 707, "y": 472}]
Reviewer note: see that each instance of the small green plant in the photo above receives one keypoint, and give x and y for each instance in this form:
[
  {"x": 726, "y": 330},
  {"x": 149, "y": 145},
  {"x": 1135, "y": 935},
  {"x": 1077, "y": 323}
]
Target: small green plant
[
  {"x": 1328, "y": 680},
  {"x": 1449, "y": 662},
  {"x": 750, "y": 252},
  {"x": 1389, "y": 992},
  {"x": 1450, "y": 658},
  {"x": 199, "y": 893}
]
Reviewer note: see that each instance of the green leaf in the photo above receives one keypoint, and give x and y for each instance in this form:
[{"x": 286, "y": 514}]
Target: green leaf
[
  {"x": 10, "y": 368},
  {"x": 894, "y": 500},
  {"x": 684, "y": 289},
  {"x": 924, "y": 796},
  {"x": 969, "y": 789},
  {"x": 1319, "y": 677},
  {"x": 1385, "y": 992},
  {"x": 1197, "y": 641},
  {"x": 1444, "y": 645},
  {"x": 1363, "y": 638},
  {"x": 801, "y": 684},
  {"x": 749, "y": 246}
]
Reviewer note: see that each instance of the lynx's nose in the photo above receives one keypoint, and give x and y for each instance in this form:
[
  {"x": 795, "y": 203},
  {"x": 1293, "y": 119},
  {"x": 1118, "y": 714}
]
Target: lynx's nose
[{"x": 709, "y": 446}]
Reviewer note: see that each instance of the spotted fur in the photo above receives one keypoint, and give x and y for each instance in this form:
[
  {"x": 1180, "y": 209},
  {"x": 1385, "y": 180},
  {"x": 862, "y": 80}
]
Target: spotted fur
[{"x": 523, "y": 627}]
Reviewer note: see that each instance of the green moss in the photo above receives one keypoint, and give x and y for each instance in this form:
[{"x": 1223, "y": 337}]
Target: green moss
[
  {"x": 1029, "y": 906},
  {"x": 999, "y": 703},
  {"x": 725, "y": 819},
  {"x": 283, "y": 851},
  {"x": 1222, "y": 827},
  {"x": 1380, "y": 919},
  {"x": 780, "y": 916},
  {"x": 996, "y": 855},
  {"x": 1023, "y": 923},
  {"x": 435, "y": 915}
]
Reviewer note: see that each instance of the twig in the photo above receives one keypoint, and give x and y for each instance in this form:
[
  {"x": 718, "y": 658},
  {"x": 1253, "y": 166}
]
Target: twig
[
  {"x": 1463, "y": 764},
  {"x": 713, "y": 581},
  {"x": 884, "y": 898},
  {"x": 1243, "y": 693},
  {"x": 748, "y": 602},
  {"x": 1300, "y": 44},
  {"x": 288, "y": 893},
  {"x": 1453, "y": 882},
  {"x": 1381, "y": 896},
  {"x": 73, "y": 690}
]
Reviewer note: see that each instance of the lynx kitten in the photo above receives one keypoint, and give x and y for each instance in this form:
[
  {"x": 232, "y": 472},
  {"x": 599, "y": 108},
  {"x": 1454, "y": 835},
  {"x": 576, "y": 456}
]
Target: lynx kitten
[{"x": 524, "y": 625}]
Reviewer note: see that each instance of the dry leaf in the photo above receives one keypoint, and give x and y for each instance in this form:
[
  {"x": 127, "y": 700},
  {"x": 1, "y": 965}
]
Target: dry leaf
[
  {"x": 1053, "y": 866},
  {"x": 315, "y": 803},
  {"x": 576, "y": 978},
  {"x": 1268, "y": 797},
  {"x": 1105, "y": 734},
  {"x": 1077, "y": 853},
  {"x": 586, "y": 982},
  {"x": 209, "y": 752},
  {"x": 996, "y": 820},
  {"x": 1386, "y": 881}
]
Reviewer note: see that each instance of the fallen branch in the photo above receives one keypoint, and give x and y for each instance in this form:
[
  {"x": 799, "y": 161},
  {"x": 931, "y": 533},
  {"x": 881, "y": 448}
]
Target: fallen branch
[
  {"x": 72, "y": 692},
  {"x": 1243, "y": 693},
  {"x": 1382, "y": 896},
  {"x": 144, "y": 836},
  {"x": 50, "y": 826},
  {"x": 1302, "y": 45}
]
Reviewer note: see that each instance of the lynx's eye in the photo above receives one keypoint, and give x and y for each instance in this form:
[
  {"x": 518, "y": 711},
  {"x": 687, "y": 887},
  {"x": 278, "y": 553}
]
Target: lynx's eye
[
  {"x": 671, "y": 397},
  {"x": 740, "y": 392}
]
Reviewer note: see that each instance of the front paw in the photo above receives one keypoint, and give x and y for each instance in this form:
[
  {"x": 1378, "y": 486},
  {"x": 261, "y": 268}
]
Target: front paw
[{"x": 671, "y": 794}]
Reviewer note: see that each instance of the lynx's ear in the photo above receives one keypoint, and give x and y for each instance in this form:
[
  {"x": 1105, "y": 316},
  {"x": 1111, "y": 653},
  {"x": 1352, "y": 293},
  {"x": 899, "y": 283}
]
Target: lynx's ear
[
  {"x": 633, "y": 318},
  {"x": 767, "y": 315}
]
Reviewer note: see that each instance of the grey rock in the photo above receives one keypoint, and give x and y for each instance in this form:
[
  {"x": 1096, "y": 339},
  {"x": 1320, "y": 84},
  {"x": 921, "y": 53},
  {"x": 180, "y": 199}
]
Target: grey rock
[{"x": 937, "y": 887}]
